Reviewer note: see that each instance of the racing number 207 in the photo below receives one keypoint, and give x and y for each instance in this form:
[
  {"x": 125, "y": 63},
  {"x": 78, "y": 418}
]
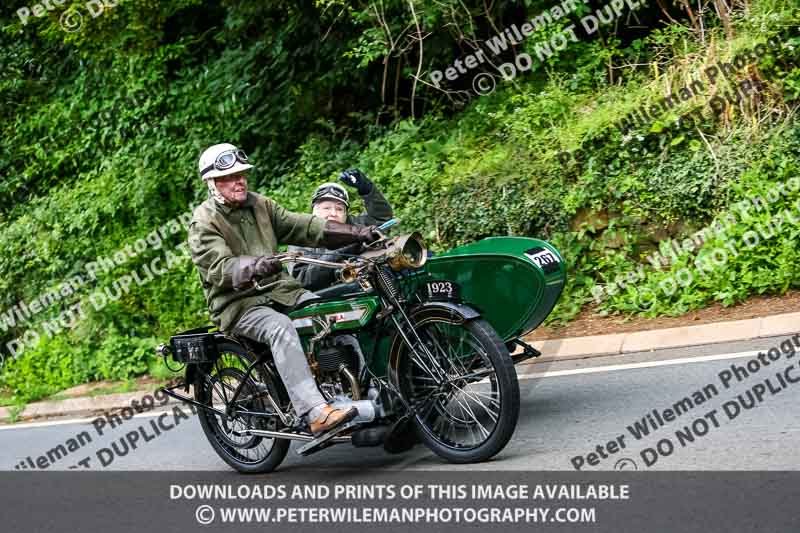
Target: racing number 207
[{"x": 544, "y": 259}]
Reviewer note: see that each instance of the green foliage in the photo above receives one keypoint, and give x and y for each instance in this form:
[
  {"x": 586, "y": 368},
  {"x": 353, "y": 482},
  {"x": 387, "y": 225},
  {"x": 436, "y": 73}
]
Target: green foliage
[
  {"x": 59, "y": 362},
  {"x": 756, "y": 255}
]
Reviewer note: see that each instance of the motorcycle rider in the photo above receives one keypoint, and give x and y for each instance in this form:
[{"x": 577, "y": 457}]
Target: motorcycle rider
[
  {"x": 233, "y": 237},
  {"x": 332, "y": 202}
]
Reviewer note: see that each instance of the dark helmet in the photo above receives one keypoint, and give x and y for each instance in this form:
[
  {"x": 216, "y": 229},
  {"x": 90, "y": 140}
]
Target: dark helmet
[{"x": 331, "y": 191}]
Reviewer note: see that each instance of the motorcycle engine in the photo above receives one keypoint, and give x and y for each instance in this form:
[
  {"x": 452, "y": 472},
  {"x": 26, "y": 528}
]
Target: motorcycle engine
[
  {"x": 338, "y": 364},
  {"x": 331, "y": 357}
]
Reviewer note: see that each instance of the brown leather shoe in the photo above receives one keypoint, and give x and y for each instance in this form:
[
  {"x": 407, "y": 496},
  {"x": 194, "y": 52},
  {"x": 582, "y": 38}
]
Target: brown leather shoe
[{"x": 330, "y": 418}]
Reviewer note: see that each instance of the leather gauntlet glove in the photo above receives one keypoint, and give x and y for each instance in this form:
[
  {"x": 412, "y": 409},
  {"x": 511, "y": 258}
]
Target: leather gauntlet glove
[
  {"x": 355, "y": 178},
  {"x": 248, "y": 268},
  {"x": 336, "y": 235}
]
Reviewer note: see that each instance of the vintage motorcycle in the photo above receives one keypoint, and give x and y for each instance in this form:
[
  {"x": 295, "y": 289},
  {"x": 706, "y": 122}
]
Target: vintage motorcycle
[{"x": 420, "y": 344}]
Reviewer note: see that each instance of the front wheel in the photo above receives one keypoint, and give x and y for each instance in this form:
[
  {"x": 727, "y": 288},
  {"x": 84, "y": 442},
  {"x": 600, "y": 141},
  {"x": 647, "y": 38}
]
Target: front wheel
[{"x": 463, "y": 386}]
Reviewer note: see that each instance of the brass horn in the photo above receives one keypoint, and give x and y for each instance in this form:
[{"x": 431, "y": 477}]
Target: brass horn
[
  {"x": 347, "y": 274},
  {"x": 407, "y": 251}
]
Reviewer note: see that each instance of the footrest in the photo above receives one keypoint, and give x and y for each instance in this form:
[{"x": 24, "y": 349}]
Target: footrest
[
  {"x": 324, "y": 440},
  {"x": 528, "y": 351}
]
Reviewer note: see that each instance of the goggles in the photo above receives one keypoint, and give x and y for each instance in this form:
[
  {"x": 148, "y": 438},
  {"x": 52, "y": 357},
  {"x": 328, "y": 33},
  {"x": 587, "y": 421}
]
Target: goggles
[
  {"x": 226, "y": 160},
  {"x": 331, "y": 192}
]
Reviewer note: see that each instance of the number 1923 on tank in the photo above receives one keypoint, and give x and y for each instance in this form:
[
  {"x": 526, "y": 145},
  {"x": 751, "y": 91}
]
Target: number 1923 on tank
[{"x": 442, "y": 290}]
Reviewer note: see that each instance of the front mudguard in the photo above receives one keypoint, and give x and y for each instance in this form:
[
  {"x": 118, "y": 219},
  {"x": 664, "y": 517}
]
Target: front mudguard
[
  {"x": 464, "y": 311},
  {"x": 419, "y": 313}
]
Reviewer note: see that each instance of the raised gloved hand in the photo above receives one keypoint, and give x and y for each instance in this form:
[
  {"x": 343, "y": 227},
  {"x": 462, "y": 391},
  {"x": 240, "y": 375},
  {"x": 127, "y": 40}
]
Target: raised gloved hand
[
  {"x": 336, "y": 234},
  {"x": 248, "y": 269},
  {"x": 355, "y": 178}
]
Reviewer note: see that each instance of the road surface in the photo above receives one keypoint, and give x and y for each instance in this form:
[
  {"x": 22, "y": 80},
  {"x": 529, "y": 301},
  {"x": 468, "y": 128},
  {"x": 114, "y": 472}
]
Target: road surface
[{"x": 579, "y": 414}]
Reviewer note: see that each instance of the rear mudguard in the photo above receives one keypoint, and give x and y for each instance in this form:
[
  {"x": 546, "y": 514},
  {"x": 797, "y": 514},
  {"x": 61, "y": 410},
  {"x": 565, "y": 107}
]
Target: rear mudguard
[{"x": 462, "y": 312}]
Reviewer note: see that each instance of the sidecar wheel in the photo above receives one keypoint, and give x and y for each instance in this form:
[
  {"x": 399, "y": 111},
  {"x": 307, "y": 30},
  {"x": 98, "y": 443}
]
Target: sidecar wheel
[
  {"x": 467, "y": 409},
  {"x": 249, "y": 455}
]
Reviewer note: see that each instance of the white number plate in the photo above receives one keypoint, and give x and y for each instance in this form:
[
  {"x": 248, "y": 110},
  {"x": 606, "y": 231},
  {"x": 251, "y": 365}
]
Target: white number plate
[
  {"x": 443, "y": 290},
  {"x": 544, "y": 259}
]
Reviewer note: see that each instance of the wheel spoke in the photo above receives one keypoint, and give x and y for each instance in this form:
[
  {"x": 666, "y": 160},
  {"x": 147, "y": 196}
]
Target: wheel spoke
[
  {"x": 491, "y": 413},
  {"x": 446, "y": 353},
  {"x": 474, "y": 418},
  {"x": 474, "y": 375},
  {"x": 421, "y": 364},
  {"x": 492, "y": 398}
]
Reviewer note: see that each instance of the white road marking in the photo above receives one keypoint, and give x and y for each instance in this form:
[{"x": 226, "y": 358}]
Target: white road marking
[
  {"x": 536, "y": 375},
  {"x": 75, "y": 421},
  {"x": 631, "y": 366}
]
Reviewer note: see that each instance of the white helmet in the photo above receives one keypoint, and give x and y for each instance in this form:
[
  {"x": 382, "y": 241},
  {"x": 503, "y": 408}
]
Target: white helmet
[
  {"x": 218, "y": 161},
  {"x": 222, "y": 160}
]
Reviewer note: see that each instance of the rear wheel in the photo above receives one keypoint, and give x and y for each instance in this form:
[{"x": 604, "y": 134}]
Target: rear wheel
[
  {"x": 216, "y": 387},
  {"x": 463, "y": 386}
]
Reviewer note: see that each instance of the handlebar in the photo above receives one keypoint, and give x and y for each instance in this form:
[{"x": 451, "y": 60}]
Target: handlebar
[
  {"x": 349, "y": 268},
  {"x": 388, "y": 224},
  {"x": 298, "y": 257}
]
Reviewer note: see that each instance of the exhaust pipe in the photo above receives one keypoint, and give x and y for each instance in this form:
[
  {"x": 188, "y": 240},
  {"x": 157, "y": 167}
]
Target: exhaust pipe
[{"x": 281, "y": 435}]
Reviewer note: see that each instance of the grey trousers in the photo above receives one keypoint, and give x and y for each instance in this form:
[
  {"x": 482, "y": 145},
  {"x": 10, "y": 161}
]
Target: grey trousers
[{"x": 266, "y": 325}]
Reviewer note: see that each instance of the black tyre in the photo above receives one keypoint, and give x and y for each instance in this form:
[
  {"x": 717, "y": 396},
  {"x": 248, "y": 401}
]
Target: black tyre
[
  {"x": 247, "y": 454},
  {"x": 464, "y": 388}
]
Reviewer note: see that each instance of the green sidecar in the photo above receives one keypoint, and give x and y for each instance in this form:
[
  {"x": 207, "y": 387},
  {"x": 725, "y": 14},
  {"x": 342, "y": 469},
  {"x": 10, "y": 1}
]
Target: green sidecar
[{"x": 513, "y": 281}]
